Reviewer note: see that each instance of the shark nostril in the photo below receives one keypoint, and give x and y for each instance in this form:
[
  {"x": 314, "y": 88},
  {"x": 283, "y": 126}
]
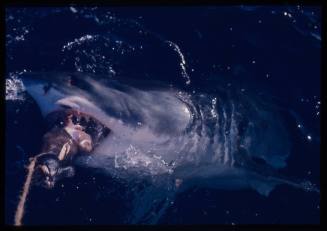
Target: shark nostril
[{"x": 46, "y": 88}]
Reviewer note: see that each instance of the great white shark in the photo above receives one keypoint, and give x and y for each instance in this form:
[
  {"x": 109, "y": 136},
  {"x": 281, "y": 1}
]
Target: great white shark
[{"x": 163, "y": 134}]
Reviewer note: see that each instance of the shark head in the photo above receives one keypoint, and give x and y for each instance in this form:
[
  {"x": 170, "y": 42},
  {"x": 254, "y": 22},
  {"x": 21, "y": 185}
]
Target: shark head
[
  {"x": 59, "y": 99},
  {"x": 53, "y": 93}
]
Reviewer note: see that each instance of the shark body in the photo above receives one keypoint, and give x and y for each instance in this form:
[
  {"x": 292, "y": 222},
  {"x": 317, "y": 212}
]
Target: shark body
[{"x": 164, "y": 135}]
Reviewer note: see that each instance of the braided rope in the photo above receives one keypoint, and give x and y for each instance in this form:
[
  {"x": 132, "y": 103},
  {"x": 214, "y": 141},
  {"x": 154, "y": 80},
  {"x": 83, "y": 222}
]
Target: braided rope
[{"x": 26, "y": 188}]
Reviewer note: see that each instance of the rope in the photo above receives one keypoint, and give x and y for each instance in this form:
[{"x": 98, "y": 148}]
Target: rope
[{"x": 21, "y": 205}]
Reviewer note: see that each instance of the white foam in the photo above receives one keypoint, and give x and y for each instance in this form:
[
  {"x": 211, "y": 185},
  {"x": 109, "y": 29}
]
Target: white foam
[{"x": 14, "y": 88}]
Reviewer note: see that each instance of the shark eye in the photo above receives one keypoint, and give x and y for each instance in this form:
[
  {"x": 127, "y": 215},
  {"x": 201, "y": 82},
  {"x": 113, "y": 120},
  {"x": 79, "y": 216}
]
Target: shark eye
[{"x": 106, "y": 131}]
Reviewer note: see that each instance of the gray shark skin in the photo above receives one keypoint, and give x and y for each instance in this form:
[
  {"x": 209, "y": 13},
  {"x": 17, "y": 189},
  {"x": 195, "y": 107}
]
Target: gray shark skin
[{"x": 170, "y": 138}]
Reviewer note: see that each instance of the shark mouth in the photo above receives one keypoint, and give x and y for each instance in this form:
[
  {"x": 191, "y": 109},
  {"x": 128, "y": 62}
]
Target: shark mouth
[{"x": 73, "y": 120}]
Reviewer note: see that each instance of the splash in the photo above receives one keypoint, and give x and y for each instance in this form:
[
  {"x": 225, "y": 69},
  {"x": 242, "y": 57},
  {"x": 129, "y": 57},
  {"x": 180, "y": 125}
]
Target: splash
[
  {"x": 182, "y": 63},
  {"x": 14, "y": 88}
]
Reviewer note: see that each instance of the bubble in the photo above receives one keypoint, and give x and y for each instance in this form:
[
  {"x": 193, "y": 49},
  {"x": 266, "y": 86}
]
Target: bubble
[{"x": 73, "y": 9}]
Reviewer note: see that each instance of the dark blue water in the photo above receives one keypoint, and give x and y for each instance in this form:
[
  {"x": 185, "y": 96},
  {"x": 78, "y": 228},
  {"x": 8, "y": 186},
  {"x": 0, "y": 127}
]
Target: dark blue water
[{"x": 273, "y": 51}]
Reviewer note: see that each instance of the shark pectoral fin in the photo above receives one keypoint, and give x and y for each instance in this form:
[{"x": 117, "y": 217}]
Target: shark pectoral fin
[
  {"x": 305, "y": 185},
  {"x": 263, "y": 187}
]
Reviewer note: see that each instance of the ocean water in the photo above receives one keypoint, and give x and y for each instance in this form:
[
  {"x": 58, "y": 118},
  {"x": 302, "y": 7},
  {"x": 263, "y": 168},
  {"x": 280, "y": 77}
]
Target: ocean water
[{"x": 216, "y": 58}]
